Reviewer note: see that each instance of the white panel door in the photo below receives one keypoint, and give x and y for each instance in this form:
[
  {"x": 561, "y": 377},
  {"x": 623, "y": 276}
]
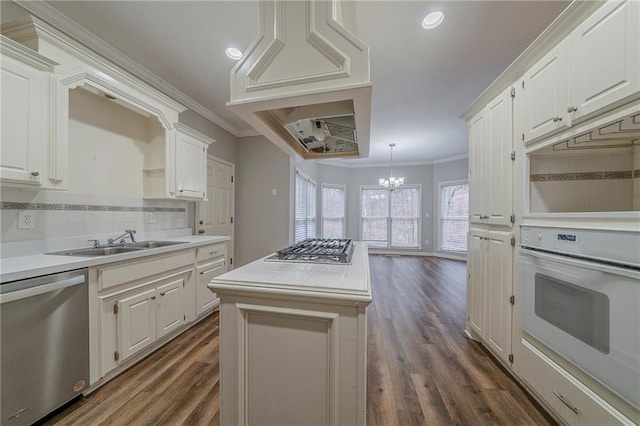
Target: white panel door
[
  {"x": 499, "y": 288},
  {"x": 477, "y": 176},
  {"x": 191, "y": 167},
  {"x": 604, "y": 62},
  {"x": 498, "y": 164},
  {"x": 22, "y": 128},
  {"x": 475, "y": 288},
  {"x": 170, "y": 306},
  {"x": 136, "y": 322},
  {"x": 546, "y": 94},
  {"x": 215, "y": 215}
]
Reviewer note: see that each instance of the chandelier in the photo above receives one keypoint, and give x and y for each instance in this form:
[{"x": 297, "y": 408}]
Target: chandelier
[{"x": 392, "y": 181}]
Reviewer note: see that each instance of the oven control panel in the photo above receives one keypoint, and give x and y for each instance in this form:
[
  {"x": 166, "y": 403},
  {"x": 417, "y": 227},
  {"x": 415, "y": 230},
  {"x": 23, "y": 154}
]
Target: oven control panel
[{"x": 615, "y": 246}]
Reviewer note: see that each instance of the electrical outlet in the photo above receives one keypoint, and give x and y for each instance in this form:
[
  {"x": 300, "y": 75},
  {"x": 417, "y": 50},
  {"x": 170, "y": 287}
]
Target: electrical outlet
[
  {"x": 26, "y": 219},
  {"x": 179, "y": 222},
  {"x": 149, "y": 217}
]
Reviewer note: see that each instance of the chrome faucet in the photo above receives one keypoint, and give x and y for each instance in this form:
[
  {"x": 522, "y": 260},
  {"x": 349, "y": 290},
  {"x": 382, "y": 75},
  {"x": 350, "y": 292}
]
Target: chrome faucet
[{"x": 127, "y": 233}]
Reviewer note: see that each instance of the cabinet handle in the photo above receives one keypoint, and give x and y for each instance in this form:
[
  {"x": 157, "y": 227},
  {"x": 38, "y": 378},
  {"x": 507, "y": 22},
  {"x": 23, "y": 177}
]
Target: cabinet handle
[
  {"x": 153, "y": 298},
  {"x": 201, "y": 231},
  {"x": 163, "y": 293},
  {"x": 35, "y": 173},
  {"x": 556, "y": 119},
  {"x": 572, "y": 109},
  {"x": 211, "y": 253},
  {"x": 565, "y": 402},
  {"x": 180, "y": 190}
]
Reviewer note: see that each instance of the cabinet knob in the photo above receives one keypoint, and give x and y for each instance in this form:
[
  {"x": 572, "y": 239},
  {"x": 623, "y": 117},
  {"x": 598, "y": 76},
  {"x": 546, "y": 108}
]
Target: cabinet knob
[
  {"x": 180, "y": 190},
  {"x": 572, "y": 109},
  {"x": 163, "y": 293},
  {"x": 153, "y": 298},
  {"x": 202, "y": 222},
  {"x": 556, "y": 119},
  {"x": 200, "y": 231},
  {"x": 35, "y": 173}
]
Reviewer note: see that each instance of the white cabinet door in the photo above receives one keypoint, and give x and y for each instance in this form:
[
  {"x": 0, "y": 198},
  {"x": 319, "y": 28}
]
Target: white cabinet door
[
  {"x": 546, "y": 94},
  {"x": 477, "y": 175},
  {"x": 499, "y": 289},
  {"x": 498, "y": 164},
  {"x": 604, "y": 62},
  {"x": 170, "y": 306},
  {"x": 23, "y": 120},
  {"x": 205, "y": 298},
  {"x": 136, "y": 322},
  {"x": 476, "y": 286},
  {"x": 191, "y": 167}
]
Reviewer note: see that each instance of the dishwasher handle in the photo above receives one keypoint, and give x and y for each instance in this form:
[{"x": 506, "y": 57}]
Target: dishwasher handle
[{"x": 41, "y": 289}]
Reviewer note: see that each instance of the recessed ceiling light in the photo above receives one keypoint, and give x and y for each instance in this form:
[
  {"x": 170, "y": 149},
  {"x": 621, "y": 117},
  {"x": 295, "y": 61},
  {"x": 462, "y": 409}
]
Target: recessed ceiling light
[
  {"x": 432, "y": 20},
  {"x": 233, "y": 53}
]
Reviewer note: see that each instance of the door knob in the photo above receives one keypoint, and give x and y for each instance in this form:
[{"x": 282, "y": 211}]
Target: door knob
[{"x": 202, "y": 222}]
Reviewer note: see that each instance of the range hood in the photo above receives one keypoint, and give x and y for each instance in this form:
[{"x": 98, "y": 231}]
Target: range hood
[{"x": 304, "y": 82}]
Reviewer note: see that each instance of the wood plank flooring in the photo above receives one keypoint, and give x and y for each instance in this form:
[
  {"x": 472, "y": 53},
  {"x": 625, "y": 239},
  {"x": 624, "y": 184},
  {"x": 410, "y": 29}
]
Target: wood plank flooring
[{"x": 422, "y": 370}]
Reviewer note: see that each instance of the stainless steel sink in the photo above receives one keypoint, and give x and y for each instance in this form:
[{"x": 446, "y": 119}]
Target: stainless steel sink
[
  {"x": 107, "y": 251},
  {"x": 155, "y": 244}
]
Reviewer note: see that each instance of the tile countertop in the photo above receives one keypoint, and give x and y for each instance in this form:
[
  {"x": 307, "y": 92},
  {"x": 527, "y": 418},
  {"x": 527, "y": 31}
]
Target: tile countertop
[
  {"x": 22, "y": 267},
  {"x": 349, "y": 283}
]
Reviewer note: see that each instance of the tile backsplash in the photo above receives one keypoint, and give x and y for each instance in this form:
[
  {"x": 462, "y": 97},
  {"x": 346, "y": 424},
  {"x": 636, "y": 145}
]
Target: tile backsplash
[
  {"x": 62, "y": 214},
  {"x": 584, "y": 182}
]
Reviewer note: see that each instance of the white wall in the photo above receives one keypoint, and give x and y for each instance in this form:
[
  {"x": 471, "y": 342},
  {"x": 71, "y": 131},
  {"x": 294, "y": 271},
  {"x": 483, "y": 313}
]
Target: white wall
[
  {"x": 225, "y": 145},
  {"x": 262, "y": 219}
]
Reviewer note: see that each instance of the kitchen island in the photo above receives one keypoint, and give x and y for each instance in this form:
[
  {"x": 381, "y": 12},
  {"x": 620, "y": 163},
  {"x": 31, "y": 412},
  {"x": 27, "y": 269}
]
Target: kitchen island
[{"x": 293, "y": 342}]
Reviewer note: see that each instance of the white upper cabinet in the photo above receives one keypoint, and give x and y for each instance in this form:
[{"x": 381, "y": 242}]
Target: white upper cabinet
[
  {"x": 597, "y": 67},
  {"x": 546, "y": 94},
  {"x": 491, "y": 166},
  {"x": 191, "y": 163},
  {"x": 25, "y": 82},
  {"x": 604, "y": 58},
  {"x": 498, "y": 161}
]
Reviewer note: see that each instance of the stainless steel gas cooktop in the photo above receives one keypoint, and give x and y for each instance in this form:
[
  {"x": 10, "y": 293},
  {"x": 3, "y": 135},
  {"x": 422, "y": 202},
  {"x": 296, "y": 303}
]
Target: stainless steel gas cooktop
[{"x": 316, "y": 250}]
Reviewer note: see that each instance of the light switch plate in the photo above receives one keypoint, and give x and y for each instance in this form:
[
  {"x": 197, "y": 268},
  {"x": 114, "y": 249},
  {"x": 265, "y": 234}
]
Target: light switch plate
[{"x": 26, "y": 219}]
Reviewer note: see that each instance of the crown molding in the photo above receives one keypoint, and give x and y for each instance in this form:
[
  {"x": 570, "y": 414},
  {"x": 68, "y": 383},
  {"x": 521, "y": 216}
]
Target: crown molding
[
  {"x": 560, "y": 28},
  {"x": 343, "y": 163},
  {"x": 63, "y": 23}
]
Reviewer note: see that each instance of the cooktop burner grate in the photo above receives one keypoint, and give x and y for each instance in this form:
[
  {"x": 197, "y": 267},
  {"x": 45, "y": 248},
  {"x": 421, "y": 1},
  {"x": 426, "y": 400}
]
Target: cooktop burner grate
[{"x": 316, "y": 250}]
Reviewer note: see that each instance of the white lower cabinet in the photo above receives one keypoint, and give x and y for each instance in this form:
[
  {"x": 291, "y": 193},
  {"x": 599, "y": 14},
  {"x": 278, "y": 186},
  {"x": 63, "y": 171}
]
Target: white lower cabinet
[
  {"x": 490, "y": 289},
  {"x": 565, "y": 395},
  {"x": 146, "y": 315},
  {"x": 211, "y": 263}
]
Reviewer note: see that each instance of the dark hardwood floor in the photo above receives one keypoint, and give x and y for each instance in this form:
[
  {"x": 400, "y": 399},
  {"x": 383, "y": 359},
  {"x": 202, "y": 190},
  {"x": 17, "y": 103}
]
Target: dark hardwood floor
[{"x": 422, "y": 370}]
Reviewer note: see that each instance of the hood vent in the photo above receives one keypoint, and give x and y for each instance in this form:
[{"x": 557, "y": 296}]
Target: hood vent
[{"x": 304, "y": 82}]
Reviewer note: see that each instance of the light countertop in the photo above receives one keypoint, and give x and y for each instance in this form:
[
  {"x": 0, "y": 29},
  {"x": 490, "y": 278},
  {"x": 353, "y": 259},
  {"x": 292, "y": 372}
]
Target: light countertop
[
  {"x": 22, "y": 267},
  {"x": 346, "y": 282}
]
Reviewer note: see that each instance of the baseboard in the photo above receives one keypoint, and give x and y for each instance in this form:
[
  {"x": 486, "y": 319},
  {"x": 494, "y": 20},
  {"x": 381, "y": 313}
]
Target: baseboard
[{"x": 451, "y": 256}]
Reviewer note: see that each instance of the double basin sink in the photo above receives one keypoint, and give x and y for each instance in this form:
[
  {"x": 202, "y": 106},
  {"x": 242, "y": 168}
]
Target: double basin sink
[{"x": 127, "y": 248}]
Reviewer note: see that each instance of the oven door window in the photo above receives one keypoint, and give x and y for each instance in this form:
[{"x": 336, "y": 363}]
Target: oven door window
[{"x": 578, "y": 311}]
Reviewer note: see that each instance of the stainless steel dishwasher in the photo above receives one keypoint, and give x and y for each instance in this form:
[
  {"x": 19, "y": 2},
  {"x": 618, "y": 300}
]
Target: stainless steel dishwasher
[{"x": 44, "y": 336}]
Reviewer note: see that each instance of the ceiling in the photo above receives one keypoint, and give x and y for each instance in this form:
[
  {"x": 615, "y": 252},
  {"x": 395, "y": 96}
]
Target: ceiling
[{"x": 422, "y": 80}]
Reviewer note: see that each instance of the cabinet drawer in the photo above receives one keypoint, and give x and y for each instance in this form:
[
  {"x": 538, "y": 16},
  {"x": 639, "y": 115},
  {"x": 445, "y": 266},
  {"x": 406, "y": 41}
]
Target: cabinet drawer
[
  {"x": 564, "y": 394},
  {"x": 121, "y": 273},
  {"x": 210, "y": 252}
]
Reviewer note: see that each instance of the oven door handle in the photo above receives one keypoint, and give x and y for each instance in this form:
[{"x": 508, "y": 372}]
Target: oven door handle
[
  {"x": 581, "y": 263},
  {"x": 41, "y": 289}
]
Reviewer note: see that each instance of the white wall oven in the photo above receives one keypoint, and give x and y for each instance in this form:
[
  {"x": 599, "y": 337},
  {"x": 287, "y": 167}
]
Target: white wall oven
[{"x": 580, "y": 299}]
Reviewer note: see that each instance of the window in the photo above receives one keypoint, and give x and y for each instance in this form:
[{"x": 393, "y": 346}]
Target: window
[
  {"x": 454, "y": 216},
  {"x": 333, "y": 211},
  {"x": 305, "y": 202},
  {"x": 391, "y": 218}
]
